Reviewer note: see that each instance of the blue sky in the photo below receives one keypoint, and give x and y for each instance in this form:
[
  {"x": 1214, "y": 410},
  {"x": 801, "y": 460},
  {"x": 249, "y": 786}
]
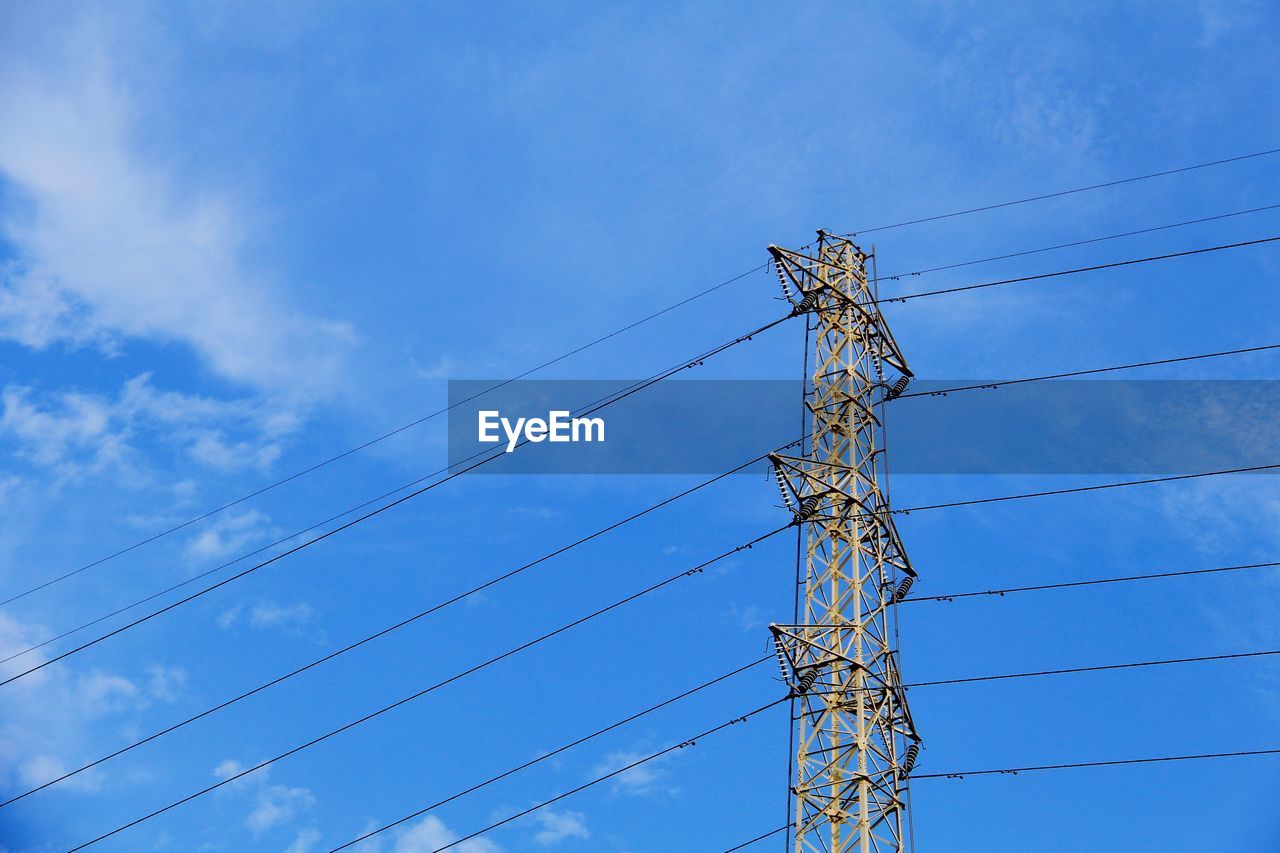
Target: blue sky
[{"x": 235, "y": 240}]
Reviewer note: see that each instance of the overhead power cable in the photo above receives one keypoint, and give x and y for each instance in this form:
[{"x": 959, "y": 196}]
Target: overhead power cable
[
  {"x": 693, "y": 741},
  {"x": 382, "y": 632},
  {"x": 1014, "y": 771},
  {"x": 1024, "y": 253},
  {"x": 1078, "y": 489},
  {"x": 455, "y": 472},
  {"x": 1121, "y": 762},
  {"x": 1060, "y": 193},
  {"x": 543, "y": 756},
  {"x": 212, "y": 571},
  {"x": 695, "y": 570},
  {"x": 761, "y": 837},
  {"x": 385, "y": 495},
  {"x": 337, "y": 457},
  {"x": 1093, "y": 582},
  {"x": 309, "y": 469},
  {"x": 690, "y": 742},
  {"x": 688, "y": 573},
  {"x": 1070, "y": 374},
  {"x": 371, "y": 442},
  {"x": 1007, "y": 676},
  {"x": 1098, "y": 668},
  {"x": 1032, "y": 768},
  {"x": 261, "y": 549},
  {"x": 1112, "y": 265}
]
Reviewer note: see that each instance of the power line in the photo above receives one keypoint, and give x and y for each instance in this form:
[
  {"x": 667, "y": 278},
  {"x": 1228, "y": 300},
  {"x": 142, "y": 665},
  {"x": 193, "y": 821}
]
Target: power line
[
  {"x": 1093, "y": 582},
  {"x": 1011, "y": 771},
  {"x": 1061, "y": 193},
  {"x": 484, "y": 459},
  {"x": 188, "y": 581},
  {"x": 383, "y": 632},
  {"x": 331, "y": 519},
  {"x": 546, "y": 755},
  {"x": 530, "y": 371},
  {"x": 692, "y": 741},
  {"x": 1112, "y": 265},
  {"x": 687, "y": 573},
  {"x": 563, "y": 356},
  {"x": 1099, "y": 668},
  {"x": 207, "y": 572},
  {"x": 1075, "y": 243},
  {"x": 396, "y": 431},
  {"x": 1078, "y": 489},
  {"x": 344, "y": 454},
  {"x": 942, "y": 392},
  {"x": 1007, "y": 676},
  {"x": 768, "y": 834},
  {"x": 453, "y": 797},
  {"x": 698, "y": 569}
]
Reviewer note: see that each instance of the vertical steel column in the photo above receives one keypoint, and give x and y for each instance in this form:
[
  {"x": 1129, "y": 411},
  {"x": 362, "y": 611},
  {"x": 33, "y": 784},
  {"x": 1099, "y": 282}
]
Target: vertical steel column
[{"x": 855, "y": 738}]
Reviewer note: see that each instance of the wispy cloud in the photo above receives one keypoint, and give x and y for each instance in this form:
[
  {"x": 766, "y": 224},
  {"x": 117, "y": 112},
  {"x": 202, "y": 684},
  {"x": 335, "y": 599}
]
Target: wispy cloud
[
  {"x": 747, "y": 618},
  {"x": 50, "y": 714},
  {"x": 295, "y": 619},
  {"x": 557, "y": 826},
  {"x": 306, "y": 841},
  {"x": 113, "y": 241},
  {"x": 645, "y": 779},
  {"x": 228, "y": 534},
  {"x": 431, "y": 833},
  {"x": 75, "y": 433},
  {"x": 273, "y": 805}
]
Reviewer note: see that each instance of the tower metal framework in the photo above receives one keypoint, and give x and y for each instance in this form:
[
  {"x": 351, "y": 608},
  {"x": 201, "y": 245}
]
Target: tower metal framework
[{"x": 855, "y": 739}]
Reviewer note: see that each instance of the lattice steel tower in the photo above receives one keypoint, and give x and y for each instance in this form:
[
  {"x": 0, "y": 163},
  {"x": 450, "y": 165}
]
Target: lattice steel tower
[{"x": 855, "y": 741}]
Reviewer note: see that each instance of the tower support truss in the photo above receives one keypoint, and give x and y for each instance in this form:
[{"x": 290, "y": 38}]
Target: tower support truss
[{"x": 855, "y": 740}]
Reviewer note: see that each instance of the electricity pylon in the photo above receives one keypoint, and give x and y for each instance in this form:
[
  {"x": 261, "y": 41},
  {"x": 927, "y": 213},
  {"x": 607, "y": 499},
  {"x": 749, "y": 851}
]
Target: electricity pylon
[{"x": 856, "y": 743}]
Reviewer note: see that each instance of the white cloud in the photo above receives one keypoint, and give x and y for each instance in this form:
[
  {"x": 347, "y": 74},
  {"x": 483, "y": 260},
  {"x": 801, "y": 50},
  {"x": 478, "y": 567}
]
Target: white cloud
[
  {"x": 78, "y": 425},
  {"x": 430, "y": 834},
  {"x": 39, "y": 769},
  {"x": 1219, "y": 18},
  {"x": 35, "y": 313},
  {"x": 278, "y": 805},
  {"x": 116, "y": 241},
  {"x": 227, "y": 534},
  {"x": 166, "y": 682},
  {"x": 643, "y": 779},
  {"x": 1231, "y": 521},
  {"x": 1216, "y": 516},
  {"x": 275, "y": 616},
  {"x": 445, "y": 367},
  {"x": 297, "y": 618},
  {"x": 227, "y": 768},
  {"x": 102, "y": 693},
  {"x": 747, "y": 618},
  {"x": 73, "y": 432},
  {"x": 57, "y": 712},
  {"x": 557, "y": 826},
  {"x": 228, "y": 618},
  {"x": 212, "y": 449},
  {"x": 274, "y": 805},
  {"x": 305, "y": 842}
]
